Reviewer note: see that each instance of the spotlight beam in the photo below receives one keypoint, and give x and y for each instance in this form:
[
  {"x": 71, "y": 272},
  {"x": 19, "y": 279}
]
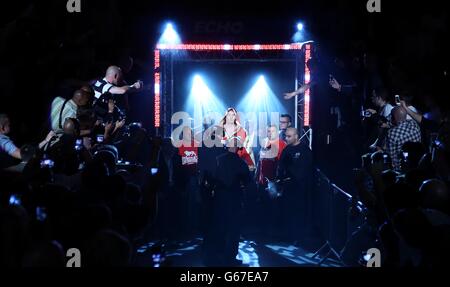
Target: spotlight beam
[
  {"x": 169, "y": 36},
  {"x": 202, "y": 101},
  {"x": 260, "y": 98}
]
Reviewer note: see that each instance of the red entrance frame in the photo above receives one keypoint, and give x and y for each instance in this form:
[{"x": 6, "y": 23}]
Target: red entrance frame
[{"x": 304, "y": 102}]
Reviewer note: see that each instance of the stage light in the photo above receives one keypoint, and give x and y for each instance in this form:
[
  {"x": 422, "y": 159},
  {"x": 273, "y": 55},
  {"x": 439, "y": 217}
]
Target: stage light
[
  {"x": 202, "y": 101},
  {"x": 169, "y": 36},
  {"x": 154, "y": 170},
  {"x": 299, "y": 35},
  {"x": 261, "y": 98}
]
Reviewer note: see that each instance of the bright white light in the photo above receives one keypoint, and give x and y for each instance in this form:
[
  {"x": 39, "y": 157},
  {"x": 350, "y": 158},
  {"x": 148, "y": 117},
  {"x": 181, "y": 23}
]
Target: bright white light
[
  {"x": 227, "y": 47},
  {"x": 200, "y": 90},
  {"x": 256, "y": 47},
  {"x": 286, "y": 46},
  {"x": 299, "y": 35},
  {"x": 307, "y": 78},
  {"x": 169, "y": 36},
  {"x": 260, "y": 98},
  {"x": 202, "y": 101},
  {"x": 156, "y": 88},
  {"x": 162, "y": 46}
]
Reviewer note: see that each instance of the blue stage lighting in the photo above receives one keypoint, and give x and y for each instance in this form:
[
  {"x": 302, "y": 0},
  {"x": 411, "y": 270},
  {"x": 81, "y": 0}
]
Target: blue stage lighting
[
  {"x": 261, "y": 98},
  {"x": 202, "y": 102},
  {"x": 300, "y": 33},
  {"x": 169, "y": 36}
]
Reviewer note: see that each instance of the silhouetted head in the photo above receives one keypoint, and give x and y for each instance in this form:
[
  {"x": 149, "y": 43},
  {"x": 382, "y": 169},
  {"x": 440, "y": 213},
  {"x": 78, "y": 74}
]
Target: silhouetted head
[
  {"x": 81, "y": 98},
  {"x": 108, "y": 158},
  {"x": 88, "y": 90},
  {"x": 379, "y": 97},
  {"x": 71, "y": 127},
  {"x": 434, "y": 194}
]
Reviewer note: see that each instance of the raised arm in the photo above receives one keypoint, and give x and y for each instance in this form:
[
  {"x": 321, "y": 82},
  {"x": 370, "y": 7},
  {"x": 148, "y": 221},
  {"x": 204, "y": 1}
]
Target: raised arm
[
  {"x": 126, "y": 89},
  {"x": 297, "y": 92},
  {"x": 416, "y": 116}
]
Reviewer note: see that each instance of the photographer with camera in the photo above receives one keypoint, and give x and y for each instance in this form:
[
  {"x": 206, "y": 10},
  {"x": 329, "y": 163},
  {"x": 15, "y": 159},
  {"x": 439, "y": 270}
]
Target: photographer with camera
[
  {"x": 113, "y": 122},
  {"x": 69, "y": 149},
  {"x": 381, "y": 117},
  {"x": 62, "y": 109}
]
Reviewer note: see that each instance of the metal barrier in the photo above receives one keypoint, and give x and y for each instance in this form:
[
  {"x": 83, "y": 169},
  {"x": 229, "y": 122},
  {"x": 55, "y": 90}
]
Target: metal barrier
[{"x": 330, "y": 211}]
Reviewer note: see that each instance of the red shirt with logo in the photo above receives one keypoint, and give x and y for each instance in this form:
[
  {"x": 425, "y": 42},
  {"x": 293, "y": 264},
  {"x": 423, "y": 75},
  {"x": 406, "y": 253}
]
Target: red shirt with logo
[{"x": 189, "y": 157}]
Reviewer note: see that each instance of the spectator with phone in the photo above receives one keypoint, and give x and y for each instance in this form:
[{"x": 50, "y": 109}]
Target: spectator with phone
[
  {"x": 407, "y": 98},
  {"x": 403, "y": 131},
  {"x": 419, "y": 118}
]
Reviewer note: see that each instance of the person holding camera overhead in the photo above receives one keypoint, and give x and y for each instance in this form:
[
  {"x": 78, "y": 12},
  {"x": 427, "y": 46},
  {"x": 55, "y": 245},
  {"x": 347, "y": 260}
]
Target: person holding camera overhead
[{"x": 403, "y": 131}]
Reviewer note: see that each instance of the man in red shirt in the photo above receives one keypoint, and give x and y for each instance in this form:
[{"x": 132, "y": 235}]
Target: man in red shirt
[
  {"x": 269, "y": 156},
  {"x": 188, "y": 152}
]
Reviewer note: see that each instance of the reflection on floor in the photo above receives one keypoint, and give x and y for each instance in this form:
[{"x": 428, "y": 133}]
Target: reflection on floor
[{"x": 253, "y": 254}]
